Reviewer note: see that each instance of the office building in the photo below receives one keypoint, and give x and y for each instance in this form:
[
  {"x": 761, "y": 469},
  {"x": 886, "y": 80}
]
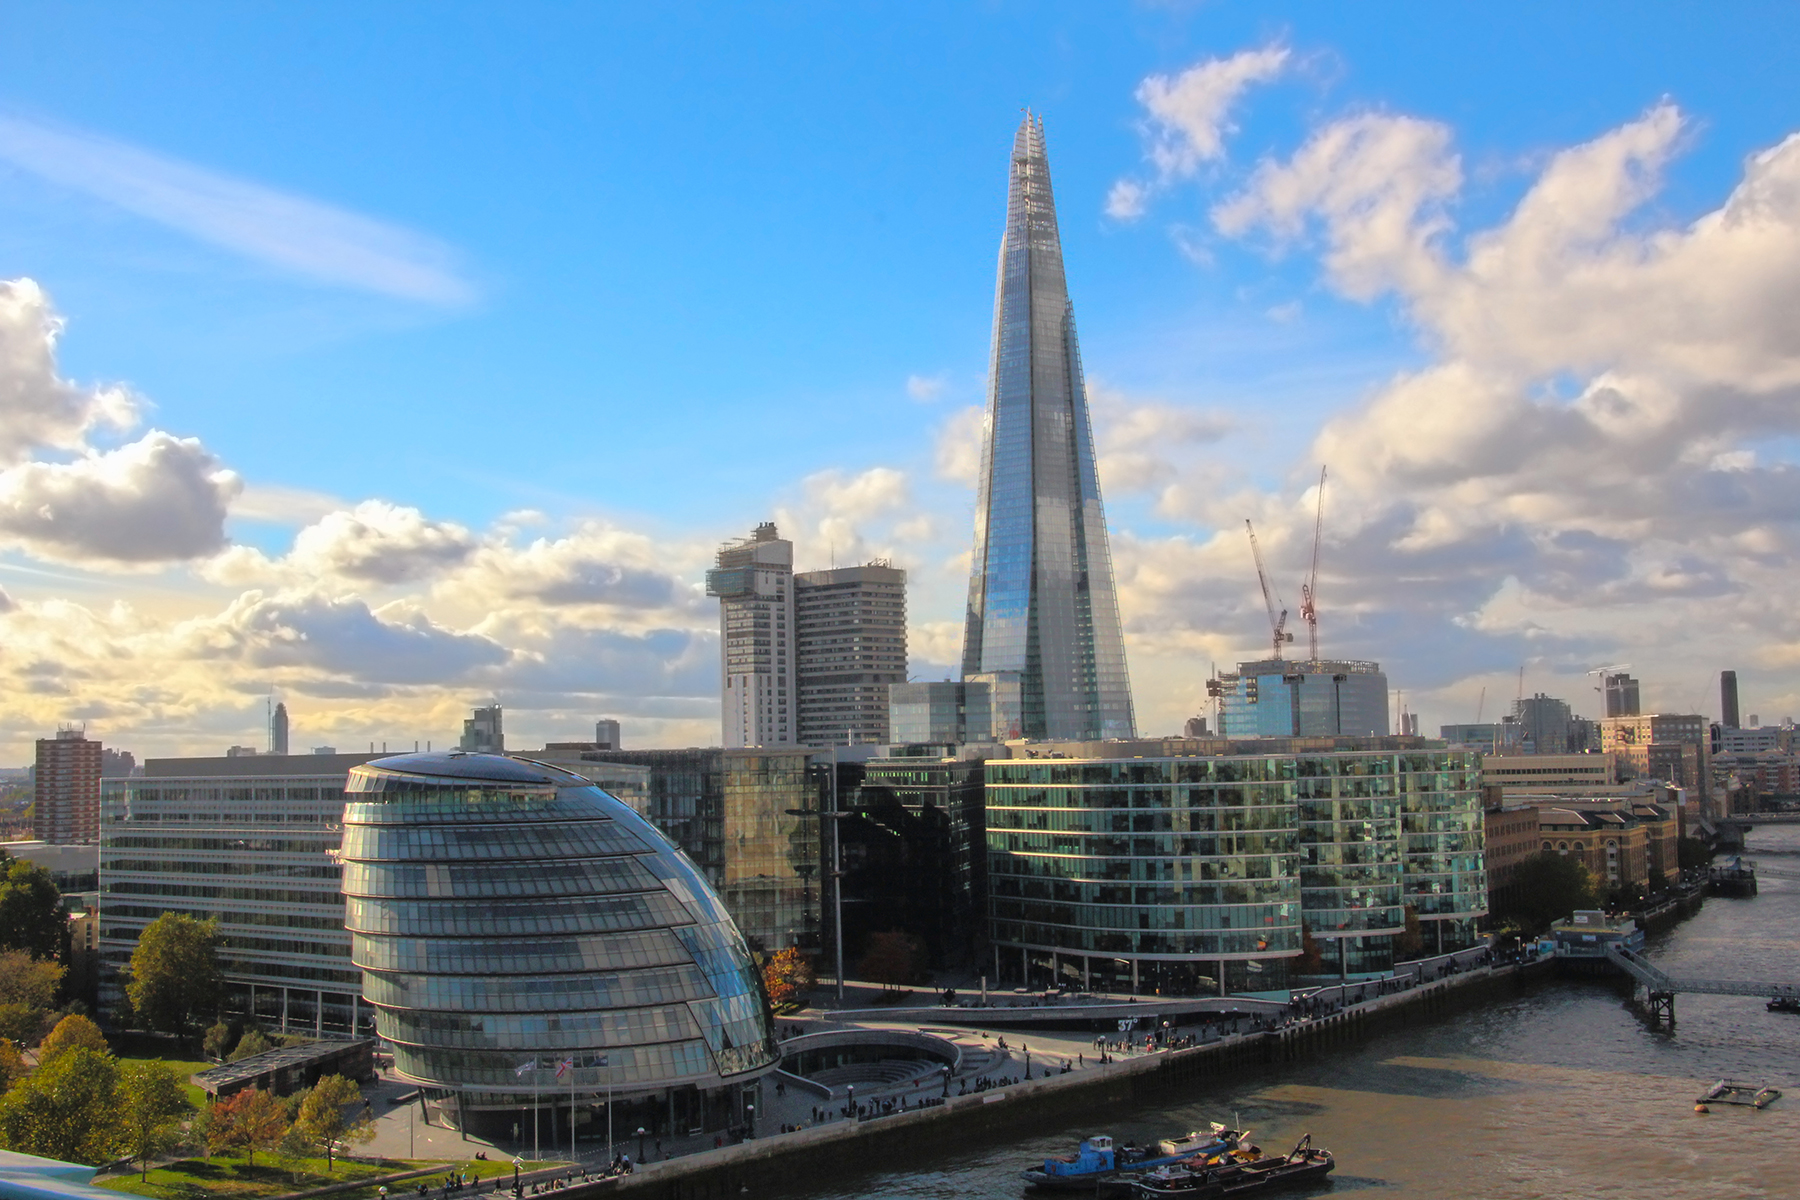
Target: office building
[
  {"x": 507, "y": 913},
  {"x": 1276, "y": 697},
  {"x": 66, "y": 793},
  {"x": 623, "y": 781},
  {"x": 753, "y": 580},
  {"x": 736, "y": 814},
  {"x": 1621, "y": 693},
  {"x": 278, "y": 730},
  {"x": 484, "y": 732},
  {"x": 849, "y": 648},
  {"x": 1190, "y": 872},
  {"x": 1728, "y": 699},
  {"x": 1042, "y": 602},
  {"x": 1509, "y": 837},
  {"x": 1548, "y": 726},
  {"x": 251, "y": 843},
  {"x": 942, "y": 789},
  {"x": 978, "y": 710},
  {"x": 1545, "y": 774},
  {"x": 606, "y": 735},
  {"x": 1667, "y": 746},
  {"x": 1491, "y": 737}
]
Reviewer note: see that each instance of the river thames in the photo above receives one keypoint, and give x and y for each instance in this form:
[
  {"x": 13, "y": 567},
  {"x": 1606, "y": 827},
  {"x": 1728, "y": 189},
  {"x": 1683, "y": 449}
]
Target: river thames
[{"x": 1560, "y": 1091}]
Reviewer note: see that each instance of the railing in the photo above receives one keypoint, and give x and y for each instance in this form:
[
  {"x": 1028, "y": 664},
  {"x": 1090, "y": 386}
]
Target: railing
[{"x": 1636, "y": 966}]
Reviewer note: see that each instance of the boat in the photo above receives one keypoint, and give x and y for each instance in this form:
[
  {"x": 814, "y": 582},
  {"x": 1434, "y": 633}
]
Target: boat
[
  {"x": 1726, "y": 1091},
  {"x": 1098, "y": 1168},
  {"x": 1235, "y": 1176},
  {"x": 1786, "y": 1002},
  {"x": 1736, "y": 878}
]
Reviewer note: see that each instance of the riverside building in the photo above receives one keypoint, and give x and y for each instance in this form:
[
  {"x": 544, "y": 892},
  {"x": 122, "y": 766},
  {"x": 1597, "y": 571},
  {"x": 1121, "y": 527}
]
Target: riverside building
[
  {"x": 1191, "y": 867},
  {"x": 249, "y": 842},
  {"x": 510, "y": 918}
]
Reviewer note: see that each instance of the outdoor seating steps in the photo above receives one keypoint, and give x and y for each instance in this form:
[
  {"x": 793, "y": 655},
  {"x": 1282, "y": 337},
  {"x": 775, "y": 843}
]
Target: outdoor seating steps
[{"x": 885, "y": 1072}]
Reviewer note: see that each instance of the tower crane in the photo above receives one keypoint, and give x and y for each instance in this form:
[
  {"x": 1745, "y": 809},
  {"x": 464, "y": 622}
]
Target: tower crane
[
  {"x": 1309, "y": 591},
  {"x": 1277, "y": 621}
]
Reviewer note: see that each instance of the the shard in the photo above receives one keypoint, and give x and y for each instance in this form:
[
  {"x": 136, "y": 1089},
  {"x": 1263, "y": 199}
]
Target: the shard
[{"x": 1042, "y": 605}]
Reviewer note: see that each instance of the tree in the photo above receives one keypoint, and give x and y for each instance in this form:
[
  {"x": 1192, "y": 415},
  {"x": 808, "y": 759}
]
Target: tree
[
  {"x": 253, "y": 1119},
  {"x": 70, "y": 1032},
  {"x": 67, "y": 1109},
  {"x": 31, "y": 917},
  {"x": 1408, "y": 941},
  {"x": 152, "y": 1108},
  {"x": 1549, "y": 887},
  {"x": 175, "y": 972},
  {"x": 215, "y": 1040},
  {"x": 28, "y": 981},
  {"x": 788, "y": 977},
  {"x": 323, "y": 1123},
  {"x": 253, "y": 1042},
  {"x": 12, "y": 1064},
  {"x": 1692, "y": 854},
  {"x": 892, "y": 959},
  {"x": 1311, "y": 960}
]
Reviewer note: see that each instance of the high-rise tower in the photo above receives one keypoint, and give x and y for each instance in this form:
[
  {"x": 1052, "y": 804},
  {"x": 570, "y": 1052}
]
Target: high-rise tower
[{"x": 1041, "y": 598}]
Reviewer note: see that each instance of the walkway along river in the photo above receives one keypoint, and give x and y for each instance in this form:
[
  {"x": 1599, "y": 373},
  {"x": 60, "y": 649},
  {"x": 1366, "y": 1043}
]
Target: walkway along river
[{"x": 1550, "y": 1087}]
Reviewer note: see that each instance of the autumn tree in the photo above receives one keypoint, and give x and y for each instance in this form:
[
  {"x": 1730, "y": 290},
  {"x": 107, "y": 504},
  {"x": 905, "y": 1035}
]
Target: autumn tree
[
  {"x": 152, "y": 1106},
  {"x": 788, "y": 977},
  {"x": 12, "y": 1064},
  {"x": 1311, "y": 960},
  {"x": 1410, "y": 938},
  {"x": 72, "y": 1031},
  {"x": 67, "y": 1109},
  {"x": 324, "y": 1121},
  {"x": 175, "y": 973},
  {"x": 31, "y": 916},
  {"x": 253, "y": 1119},
  {"x": 893, "y": 960},
  {"x": 27, "y": 994}
]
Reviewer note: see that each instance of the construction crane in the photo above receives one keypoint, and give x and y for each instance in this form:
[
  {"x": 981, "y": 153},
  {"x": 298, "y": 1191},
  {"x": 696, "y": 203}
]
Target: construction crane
[
  {"x": 1481, "y": 704},
  {"x": 1600, "y": 674},
  {"x": 1309, "y": 591},
  {"x": 1277, "y": 621}
]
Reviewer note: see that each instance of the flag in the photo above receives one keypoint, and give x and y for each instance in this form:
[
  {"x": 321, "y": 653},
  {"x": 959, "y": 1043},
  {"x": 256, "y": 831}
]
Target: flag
[
  {"x": 564, "y": 1067},
  {"x": 530, "y": 1065}
]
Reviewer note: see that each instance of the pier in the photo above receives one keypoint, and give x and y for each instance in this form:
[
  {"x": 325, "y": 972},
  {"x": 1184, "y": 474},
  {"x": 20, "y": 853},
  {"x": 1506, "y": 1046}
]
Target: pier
[{"x": 1660, "y": 989}]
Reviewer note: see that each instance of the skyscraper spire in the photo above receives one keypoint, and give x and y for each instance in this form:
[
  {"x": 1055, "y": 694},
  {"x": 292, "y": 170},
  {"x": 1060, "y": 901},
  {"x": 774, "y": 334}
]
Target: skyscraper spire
[{"x": 1042, "y": 605}]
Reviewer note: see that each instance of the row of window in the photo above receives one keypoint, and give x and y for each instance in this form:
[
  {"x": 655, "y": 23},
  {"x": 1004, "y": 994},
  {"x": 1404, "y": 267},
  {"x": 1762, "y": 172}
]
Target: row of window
[
  {"x": 525, "y": 994},
  {"x": 411, "y": 881},
  {"x": 542, "y": 1031},
  {"x": 452, "y": 918},
  {"x": 518, "y": 956},
  {"x": 571, "y": 839},
  {"x": 1444, "y": 771}
]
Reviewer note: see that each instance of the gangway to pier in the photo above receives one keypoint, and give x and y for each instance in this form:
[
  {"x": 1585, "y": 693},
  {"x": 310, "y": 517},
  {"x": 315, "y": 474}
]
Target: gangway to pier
[{"x": 1661, "y": 987}]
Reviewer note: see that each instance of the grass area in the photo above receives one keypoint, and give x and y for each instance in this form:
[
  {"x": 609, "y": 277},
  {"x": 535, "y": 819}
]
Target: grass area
[
  {"x": 183, "y": 1067},
  {"x": 231, "y": 1176}
]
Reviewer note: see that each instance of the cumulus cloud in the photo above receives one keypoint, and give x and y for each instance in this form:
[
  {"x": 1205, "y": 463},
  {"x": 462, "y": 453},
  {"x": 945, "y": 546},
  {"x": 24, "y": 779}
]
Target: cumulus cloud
[
  {"x": 593, "y": 565},
  {"x": 1187, "y": 119},
  {"x": 157, "y": 499},
  {"x": 38, "y": 408},
  {"x": 381, "y": 543},
  {"x": 290, "y": 232},
  {"x": 1139, "y": 441},
  {"x": 957, "y": 449},
  {"x": 925, "y": 388}
]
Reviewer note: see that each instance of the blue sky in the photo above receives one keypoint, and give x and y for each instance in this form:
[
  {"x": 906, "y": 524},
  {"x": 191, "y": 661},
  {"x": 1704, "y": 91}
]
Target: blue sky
[{"x": 620, "y": 282}]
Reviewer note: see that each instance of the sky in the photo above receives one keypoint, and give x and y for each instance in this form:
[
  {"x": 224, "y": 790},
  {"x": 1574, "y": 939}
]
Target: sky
[{"x": 390, "y": 360}]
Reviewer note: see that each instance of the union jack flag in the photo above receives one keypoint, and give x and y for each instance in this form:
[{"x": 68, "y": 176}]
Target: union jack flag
[{"x": 564, "y": 1067}]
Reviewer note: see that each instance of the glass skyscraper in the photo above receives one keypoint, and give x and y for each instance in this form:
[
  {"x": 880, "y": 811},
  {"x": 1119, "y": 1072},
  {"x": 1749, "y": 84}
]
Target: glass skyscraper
[{"x": 1041, "y": 596}]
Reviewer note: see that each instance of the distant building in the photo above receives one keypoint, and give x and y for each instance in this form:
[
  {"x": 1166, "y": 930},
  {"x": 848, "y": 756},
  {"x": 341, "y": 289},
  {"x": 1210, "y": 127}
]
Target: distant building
[
  {"x": 250, "y": 841},
  {"x": 1548, "y": 725},
  {"x": 606, "y": 735},
  {"x": 753, "y": 580},
  {"x": 1282, "y": 698},
  {"x": 66, "y": 798},
  {"x": 1728, "y": 699},
  {"x": 942, "y": 788},
  {"x": 241, "y": 752},
  {"x": 484, "y": 732},
  {"x": 1671, "y": 747},
  {"x": 117, "y": 764},
  {"x": 1562, "y": 774},
  {"x": 278, "y": 730},
  {"x": 976, "y": 711},
  {"x": 625, "y": 781},
  {"x": 1621, "y": 692},
  {"x": 1510, "y": 836},
  {"x": 1491, "y": 737},
  {"x": 849, "y": 647},
  {"x": 1195, "y": 727},
  {"x": 1622, "y": 844}
]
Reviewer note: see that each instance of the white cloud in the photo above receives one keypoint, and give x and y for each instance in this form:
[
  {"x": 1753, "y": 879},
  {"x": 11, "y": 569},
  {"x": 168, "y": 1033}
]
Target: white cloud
[
  {"x": 926, "y": 388},
  {"x": 381, "y": 543},
  {"x": 286, "y": 231},
  {"x": 1138, "y": 442},
  {"x": 958, "y": 445},
  {"x": 38, "y": 408},
  {"x": 154, "y": 500},
  {"x": 1188, "y": 120}
]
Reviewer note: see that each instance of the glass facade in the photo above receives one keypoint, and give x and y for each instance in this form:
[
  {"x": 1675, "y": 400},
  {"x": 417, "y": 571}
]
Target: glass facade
[
  {"x": 1192, "y": 874},
  {"x": 509, "y": 919},
  {"x": 1041, "y": 595},
  {"x": 1324, "y": 698}
]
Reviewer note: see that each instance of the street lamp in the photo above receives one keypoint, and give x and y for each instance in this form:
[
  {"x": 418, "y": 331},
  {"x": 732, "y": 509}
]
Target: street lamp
[
  {"x": 642, "y": 1134},
  {"x": 750, "y": 1118},
  {"x": 850, "y": 1091},
  {"x": 515, "y": 1176},
  {"x": 946, "y": 1071}
]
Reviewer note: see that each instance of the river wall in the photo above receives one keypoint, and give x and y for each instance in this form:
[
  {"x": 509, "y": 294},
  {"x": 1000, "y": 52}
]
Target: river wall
[{"x": 790, "y": 1161}]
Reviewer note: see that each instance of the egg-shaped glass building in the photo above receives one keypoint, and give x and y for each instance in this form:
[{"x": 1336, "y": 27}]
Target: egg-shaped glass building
[{"x": 529, "y": 942}]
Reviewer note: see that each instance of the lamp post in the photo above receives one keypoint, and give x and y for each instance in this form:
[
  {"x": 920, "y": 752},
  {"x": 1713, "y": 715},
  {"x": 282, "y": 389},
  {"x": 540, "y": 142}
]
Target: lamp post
[
  {"x": 642, "y": 1134},
  {"x": 515, "y": 1176},
  {"x": 750, "y": 1118},
  {"x": 850, "y": 1091},
  {"x": 946, "y": 1071}
]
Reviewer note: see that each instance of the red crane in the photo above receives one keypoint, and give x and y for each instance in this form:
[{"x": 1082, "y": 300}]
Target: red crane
[{"x": 1309, "y": 591}]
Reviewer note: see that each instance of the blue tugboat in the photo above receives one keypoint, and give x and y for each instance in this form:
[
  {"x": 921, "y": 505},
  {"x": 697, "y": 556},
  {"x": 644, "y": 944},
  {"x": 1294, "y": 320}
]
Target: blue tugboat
[{"x": 1097, "y": 1168}]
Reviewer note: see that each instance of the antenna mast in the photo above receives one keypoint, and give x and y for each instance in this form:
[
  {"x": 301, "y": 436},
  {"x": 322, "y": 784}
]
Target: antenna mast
[
  {"x": 1309, "y": 591},
  {"x": 1277, "y": 622}
]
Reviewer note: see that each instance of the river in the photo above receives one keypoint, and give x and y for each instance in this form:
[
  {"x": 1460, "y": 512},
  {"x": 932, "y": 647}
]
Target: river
[{"x": 1561, "y": 1091}]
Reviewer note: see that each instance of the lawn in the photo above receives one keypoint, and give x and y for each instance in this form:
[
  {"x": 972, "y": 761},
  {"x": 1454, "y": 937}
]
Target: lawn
[
  {"x": 183, "y": 1067},
  {"x": 230, "y": 1176}
]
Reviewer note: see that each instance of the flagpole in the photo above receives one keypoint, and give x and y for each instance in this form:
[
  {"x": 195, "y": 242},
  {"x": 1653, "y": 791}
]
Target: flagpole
[{"x": 537, "y": 1104}]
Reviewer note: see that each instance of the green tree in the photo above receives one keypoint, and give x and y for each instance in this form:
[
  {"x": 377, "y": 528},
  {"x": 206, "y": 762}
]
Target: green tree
[
  {"x": 72, "y": 1031},
  {"x": 67, "y": 1109},
  {"x": 253, "y": 1042},
  {"x": 251, "y": 1120},
  {"x": 175, "y": 973},
  {"x": 152, "y": 1109},
  {"x": 12, "y": 1064},
  {"x": 28, "y": 981},
  {"x": 1311, "y": 960},
  {"x": 324, "y": 1122},
  {"x": 31, "y": 917},
  {"x": 1409, "y": 940},
  {"x": 1692, "y": 853},
  {"x": 215, "y": 1041},
  {"x": 1550, "y": 887}
]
